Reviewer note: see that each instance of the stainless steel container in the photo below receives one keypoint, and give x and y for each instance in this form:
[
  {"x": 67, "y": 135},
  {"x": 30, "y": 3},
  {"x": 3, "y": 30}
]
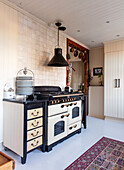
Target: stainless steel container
[{"x": 24, "y": 83}]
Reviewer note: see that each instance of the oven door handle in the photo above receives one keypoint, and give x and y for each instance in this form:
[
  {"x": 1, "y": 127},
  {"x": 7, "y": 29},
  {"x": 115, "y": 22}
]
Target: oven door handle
[
  {"x": 64, "y": 105},
  {"x": 74, "y": 126},
  {"x": 66, "y": 115}
]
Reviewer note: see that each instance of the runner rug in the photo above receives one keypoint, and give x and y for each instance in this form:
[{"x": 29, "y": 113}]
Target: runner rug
[{"x": 103, "y": 155}]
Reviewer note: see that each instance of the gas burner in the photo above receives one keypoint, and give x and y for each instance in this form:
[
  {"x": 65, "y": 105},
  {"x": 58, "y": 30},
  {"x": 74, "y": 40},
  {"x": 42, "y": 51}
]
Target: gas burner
[{"x": 54, "y": 95}]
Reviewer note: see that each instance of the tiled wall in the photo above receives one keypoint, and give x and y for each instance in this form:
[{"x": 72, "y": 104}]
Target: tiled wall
[{"x": 36, "y": 45}]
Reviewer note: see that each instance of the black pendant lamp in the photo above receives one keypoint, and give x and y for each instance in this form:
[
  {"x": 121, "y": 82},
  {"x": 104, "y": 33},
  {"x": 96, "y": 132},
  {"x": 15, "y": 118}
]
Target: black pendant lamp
[{"x": 58, "y": 60}]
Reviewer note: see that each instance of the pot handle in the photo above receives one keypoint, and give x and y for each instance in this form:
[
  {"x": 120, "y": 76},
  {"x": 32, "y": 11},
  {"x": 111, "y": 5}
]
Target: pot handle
[{"x": 25, "y": 70}]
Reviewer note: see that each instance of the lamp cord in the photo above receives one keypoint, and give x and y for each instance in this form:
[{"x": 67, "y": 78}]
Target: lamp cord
[{"x": 58, "y": 36}]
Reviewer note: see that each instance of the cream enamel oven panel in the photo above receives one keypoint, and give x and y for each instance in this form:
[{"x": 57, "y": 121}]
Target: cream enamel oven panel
[
  {"x": 74, "y": 111},
  {"x": 55, "y": 109},
  {"x": 34, "y": 143},
  {"x": 57, "y": 127},
  {"x": 73, "y": 127},
  {"x": 31, "y": 124},
  {"x": 13, "y": 121},
  {"x": 34, "y": 133},
  {"x": 34, "y": 113}
]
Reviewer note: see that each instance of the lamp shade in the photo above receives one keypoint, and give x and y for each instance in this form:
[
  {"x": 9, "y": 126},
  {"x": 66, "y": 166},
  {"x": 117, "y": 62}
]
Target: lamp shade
[{"x": 58, "y": 60}]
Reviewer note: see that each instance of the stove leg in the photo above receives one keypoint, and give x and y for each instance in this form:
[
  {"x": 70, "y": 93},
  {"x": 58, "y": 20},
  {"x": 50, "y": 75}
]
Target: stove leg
[
  {"x": 23, "y": 159},
  {"x": 42, "y": 149},
  {"x": 79, "y": 131},
  {"x": 48, "y": 148},
  {"x": 6, "y": 149}
]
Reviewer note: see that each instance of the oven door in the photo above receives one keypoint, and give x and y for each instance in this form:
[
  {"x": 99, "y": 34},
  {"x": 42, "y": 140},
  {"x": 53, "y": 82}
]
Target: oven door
[
  {"x": 57, "y": 127},
  {"x": 74, "y": 110}
]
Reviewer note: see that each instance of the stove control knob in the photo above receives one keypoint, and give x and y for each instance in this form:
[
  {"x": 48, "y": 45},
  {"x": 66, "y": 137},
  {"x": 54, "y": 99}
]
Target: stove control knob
[
  {"x": 62, "y": 106},
  {"x": 58, "y": 101},
  {"x": 55, "y": 101},
  {"x": 52, "y": 102}
]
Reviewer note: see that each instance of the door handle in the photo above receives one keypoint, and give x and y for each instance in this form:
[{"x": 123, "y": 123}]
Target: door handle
[
  {"x": 118, "y": 83},
  {"x": 115, "y": 83}
]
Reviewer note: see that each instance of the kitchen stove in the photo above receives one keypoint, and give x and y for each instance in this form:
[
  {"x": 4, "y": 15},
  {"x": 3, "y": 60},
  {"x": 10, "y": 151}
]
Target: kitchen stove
[
  {"x": 54, "y": 95},
  {"x": 50, "y": 116},
  {"x": 64, "y": 114}
]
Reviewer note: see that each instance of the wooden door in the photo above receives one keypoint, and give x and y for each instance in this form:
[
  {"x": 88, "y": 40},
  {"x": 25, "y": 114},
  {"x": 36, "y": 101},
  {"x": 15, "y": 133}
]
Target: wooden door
[
  {"x": 121, "y": 86},
  {"x": 110, "y": 89}
]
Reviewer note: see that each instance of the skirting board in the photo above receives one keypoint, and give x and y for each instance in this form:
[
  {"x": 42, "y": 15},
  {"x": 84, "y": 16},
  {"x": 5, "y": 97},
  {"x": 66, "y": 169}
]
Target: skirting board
[
  {"x": 99, "y": 117},
  {"x": 114, "y": 119},
  {"x": 1, "y": 146}
]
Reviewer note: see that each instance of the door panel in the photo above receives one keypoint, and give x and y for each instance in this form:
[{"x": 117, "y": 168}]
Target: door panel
[
  {"x": 121, "y": 88},
  {"x": 75, "y": 112},
  {"x": 57, "y": 127},
  {"x": 110, "y": 91}
]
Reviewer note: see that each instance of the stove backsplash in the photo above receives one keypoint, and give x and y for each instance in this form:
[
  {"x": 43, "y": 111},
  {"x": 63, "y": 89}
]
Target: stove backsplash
[{"x": 36, "y": 43}]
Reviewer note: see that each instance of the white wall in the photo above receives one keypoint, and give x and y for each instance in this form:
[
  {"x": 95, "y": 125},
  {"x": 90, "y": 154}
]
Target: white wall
[
  {"x": 36, "y": 45},
  {"x": 8, "y": 51},
  {"x": 26, "y": 41},
  {"x": 96, "y": 59}
]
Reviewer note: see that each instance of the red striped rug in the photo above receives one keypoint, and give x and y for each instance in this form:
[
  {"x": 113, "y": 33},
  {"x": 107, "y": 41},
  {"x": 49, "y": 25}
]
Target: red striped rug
[{"x": 106, "y": 154}]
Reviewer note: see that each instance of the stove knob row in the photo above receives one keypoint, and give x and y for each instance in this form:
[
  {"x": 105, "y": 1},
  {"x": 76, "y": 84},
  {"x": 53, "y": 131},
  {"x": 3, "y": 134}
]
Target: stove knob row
[{"x": 57, "y": 101}]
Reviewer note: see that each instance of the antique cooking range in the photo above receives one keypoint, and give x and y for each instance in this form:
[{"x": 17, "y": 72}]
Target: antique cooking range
[
  {"x": 64, "y": 113},
  {"x": 42, "y": 119}
]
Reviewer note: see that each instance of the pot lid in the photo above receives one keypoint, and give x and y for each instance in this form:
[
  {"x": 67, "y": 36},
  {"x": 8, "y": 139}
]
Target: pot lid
[{"x": 24, "y": 78}]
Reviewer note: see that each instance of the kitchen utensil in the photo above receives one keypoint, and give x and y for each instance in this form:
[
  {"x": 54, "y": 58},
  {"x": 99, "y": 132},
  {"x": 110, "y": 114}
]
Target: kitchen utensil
[
  {"x": 80, "y": 55},
  {"x": 72, "y": 49},
  {"x": 8, "y": 91},
  {"x": 24, "y": 83},
  {"x": 76, "y": 53}
]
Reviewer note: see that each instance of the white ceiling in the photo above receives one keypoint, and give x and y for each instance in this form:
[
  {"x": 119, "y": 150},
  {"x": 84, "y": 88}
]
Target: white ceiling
[{"x": 88, "y": 16}]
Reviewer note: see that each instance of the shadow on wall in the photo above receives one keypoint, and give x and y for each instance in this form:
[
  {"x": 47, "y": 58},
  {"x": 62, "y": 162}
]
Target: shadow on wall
[{"x": 46, "y": 56}]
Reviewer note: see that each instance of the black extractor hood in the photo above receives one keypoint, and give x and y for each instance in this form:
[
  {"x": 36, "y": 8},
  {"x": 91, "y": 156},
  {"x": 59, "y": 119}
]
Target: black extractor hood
[{"x": 58, "y": 60}]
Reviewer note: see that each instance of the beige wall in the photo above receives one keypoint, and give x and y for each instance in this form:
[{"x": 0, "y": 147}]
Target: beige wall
[
  {"x": 114, "y": 46},
  {"x": 96, "y": 59}
]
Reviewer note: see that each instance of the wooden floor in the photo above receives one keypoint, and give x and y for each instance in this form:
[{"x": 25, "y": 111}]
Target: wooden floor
[{"x": 66, "y": 152}]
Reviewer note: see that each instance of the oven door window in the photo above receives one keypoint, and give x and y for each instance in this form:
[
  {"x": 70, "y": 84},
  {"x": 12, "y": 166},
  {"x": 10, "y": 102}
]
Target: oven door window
[
  {"x": 59, "y": 128},
  {"x": 75, "y": 112}
]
